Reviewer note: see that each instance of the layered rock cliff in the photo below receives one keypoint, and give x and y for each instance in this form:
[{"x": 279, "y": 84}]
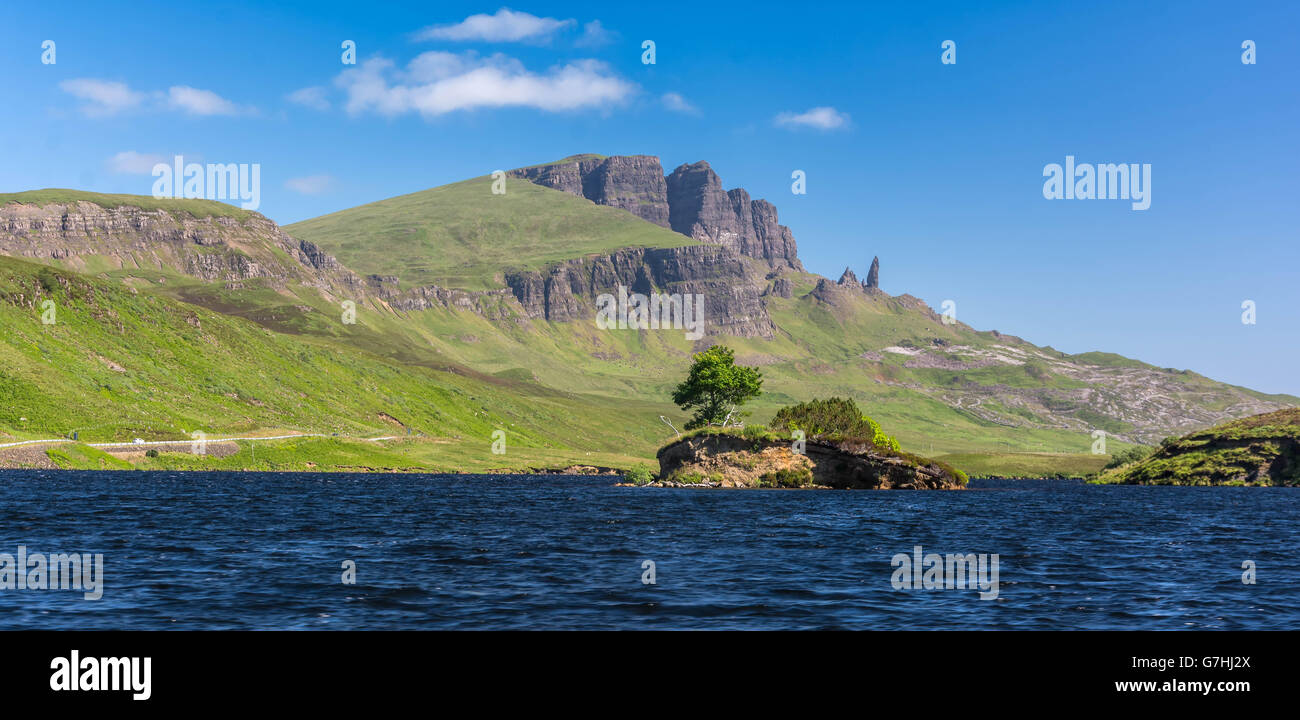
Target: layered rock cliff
[
  {"x": 732, "y": 296},
  {"x": 632, "y": 182},
  {"x": 213, "y": 248},
  {"x": 690, "y": 201},
  {"x": 700, "y": 208}
]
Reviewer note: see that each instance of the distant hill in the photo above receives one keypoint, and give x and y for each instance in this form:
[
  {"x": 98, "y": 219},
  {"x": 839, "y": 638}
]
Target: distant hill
[
  {"x": 1257, "y": 450},
  {"x": 470, "y": 304}
]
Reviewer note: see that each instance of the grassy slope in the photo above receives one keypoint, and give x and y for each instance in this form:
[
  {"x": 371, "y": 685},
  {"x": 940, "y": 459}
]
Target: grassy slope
[
  {"x": 342, "y": 455},
  {"x": 61, "y": 196},
  {"x": 454, "y": 375},
  {"x": 1261, "y": 449},
  {"x": 463, "y": 236},
  {"x": 119, "y": 365}
]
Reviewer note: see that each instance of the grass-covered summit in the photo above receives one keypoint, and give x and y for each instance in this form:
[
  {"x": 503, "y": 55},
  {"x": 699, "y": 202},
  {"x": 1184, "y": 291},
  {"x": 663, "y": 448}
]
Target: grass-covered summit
[
  {"x": 1258, "y": 450},
  {"x": 464, "y": 236},
  {"x": 62, "y": 196}
]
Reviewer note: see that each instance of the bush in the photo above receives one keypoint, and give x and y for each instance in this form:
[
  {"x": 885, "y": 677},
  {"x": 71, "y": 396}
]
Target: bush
[
  {"x": 833, "y": 419},
  {"x": 639, "y": 475},
  {"x": 151, "y": 452},
  {"x": 787, "y": 477},
  {"x": 1129, "y": 455}
]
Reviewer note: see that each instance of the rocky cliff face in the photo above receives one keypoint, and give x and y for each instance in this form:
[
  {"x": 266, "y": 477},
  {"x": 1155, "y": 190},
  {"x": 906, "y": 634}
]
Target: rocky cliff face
[
  {"x": 691, "y": 201},
  {"x": 233, "y": 250},
  {"x": 633, "y": 182},
  {"x": 492, "y": 304},
  {"x": 700, "y": 208},
  {"x": 567, "y": 292},
  {"x": 211, "y": 248}
]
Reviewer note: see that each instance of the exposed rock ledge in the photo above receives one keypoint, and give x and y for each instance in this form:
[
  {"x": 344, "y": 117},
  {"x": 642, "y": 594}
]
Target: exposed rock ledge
[{"x": 734, "y": 461}]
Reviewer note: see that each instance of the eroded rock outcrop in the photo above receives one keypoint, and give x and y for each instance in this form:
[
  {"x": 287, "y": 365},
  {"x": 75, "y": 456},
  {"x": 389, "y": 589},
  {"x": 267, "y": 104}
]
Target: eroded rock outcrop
[
  {"x": 690, "y": 201},
  {"x": 568, "y": 291},
  {"x": 728, "y": 460},
  {"x": 873, "y": 275},
  {"x": 493, "y": 304},
  {"x": 700, "y": 208},
  {"x": 632, "y": 182}
]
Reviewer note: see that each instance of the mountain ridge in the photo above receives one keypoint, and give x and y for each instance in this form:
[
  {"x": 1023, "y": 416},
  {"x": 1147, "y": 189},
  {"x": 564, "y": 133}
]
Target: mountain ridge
[{"x": 500, "y": 289}]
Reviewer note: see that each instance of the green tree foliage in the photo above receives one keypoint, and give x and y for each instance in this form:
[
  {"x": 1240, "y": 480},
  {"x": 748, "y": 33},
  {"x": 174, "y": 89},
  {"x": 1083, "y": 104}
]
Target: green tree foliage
[
  {"x": 834, "y": 418},
  {"x": 716, "y": 387},
  {"x": 1126, "y": 456},
  {"x": 639, "y": 475}
]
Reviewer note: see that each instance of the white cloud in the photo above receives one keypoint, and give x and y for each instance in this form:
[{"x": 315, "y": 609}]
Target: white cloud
[
  {"x": 505, "y": 26},
  {"x": 310, "y": 185},
  {"x": 199, "y": 102},
  {"x": 106, "y": 97},
  {"x": 821, "y": 118},
  {"x": 436, "y": 83},
  {"x": 102, "y": 97},
  {"x": 594, "y": 34},
  {"x": 130, "y": 162},
  {"x": 312, "y": 97},
  {"x": 677, "y": 103}
]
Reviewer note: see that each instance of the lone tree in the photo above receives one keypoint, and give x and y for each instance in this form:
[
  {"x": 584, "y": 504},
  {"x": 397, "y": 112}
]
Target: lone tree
[{"x": 716, "y": 386}]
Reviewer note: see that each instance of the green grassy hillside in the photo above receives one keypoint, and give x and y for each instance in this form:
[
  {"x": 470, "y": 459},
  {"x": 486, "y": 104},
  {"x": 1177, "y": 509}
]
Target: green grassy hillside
[
  {"x": 119, "y": 364},
  {"x": 148, "y": 351},
  {"x": 463, "y": 236},
  {"x": 1258, "y": 450}
]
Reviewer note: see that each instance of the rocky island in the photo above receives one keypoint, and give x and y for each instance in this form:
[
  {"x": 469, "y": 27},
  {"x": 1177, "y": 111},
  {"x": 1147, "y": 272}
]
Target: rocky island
[{"x": 820, "y": 444}]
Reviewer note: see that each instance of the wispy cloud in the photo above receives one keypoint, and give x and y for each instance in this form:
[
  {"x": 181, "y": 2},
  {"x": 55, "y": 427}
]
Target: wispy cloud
[
  {"x": 436, "y": 83},
  {"x": 820, "y": 118},
  {"x": 505, "y": 26},
  {"x": 675, "y": 102},
  {"x": 312, "y": 97},
  {"x": 106, "y": 97},
  {"x": 130, "y": 162},
  {"x": 594, "y": 34},
  {"x": 311, "y": 185},
  {"x": 200, "y": 102},
  {"x": 102, "y": 97}
]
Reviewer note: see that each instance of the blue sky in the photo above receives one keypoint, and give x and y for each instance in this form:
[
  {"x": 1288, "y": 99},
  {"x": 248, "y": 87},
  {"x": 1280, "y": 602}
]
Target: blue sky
[{"x": 935, "y": 168}]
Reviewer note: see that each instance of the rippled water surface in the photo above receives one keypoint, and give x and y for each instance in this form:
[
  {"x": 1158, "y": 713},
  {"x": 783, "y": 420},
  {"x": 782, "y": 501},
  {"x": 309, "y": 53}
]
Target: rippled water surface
[{"x": 214, "y": 551}]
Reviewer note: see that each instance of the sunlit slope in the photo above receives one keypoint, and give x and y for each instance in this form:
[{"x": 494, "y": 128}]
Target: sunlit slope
[
  {"x": 463, "y": 236},
  {"x": 143, "y": 349},
  {"x": 117, "y": 364},
  {"x": 195, "y": 208}
]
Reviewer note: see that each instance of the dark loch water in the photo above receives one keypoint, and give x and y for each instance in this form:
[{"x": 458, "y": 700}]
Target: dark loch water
[{"x": 262, "y": 551}]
